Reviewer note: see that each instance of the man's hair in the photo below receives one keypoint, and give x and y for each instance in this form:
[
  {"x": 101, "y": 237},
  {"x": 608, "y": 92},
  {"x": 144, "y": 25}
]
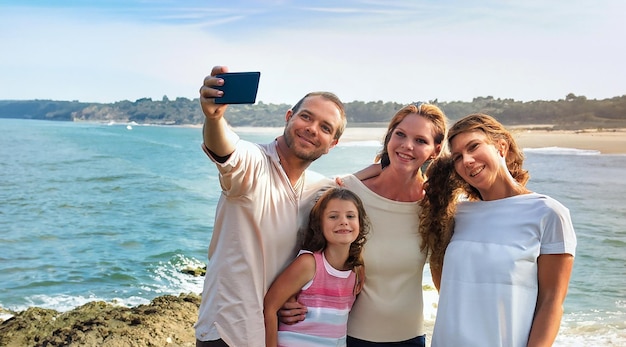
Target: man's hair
[{"x": 330, "y": 97}]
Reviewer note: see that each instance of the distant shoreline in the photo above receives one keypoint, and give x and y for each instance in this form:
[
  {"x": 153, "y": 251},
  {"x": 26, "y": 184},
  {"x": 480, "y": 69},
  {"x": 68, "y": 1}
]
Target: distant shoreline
[{"x": 606, "y": 141}]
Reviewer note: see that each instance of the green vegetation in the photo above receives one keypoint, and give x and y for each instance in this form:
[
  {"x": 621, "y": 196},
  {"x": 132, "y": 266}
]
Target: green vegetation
[{"x": 573, "y": 112}]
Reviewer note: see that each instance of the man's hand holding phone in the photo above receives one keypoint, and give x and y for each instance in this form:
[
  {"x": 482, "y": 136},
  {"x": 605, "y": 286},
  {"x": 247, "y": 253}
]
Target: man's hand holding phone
[
  {"x": 219, "y": 138},
  {"x": 208, "y": 93},
  {"x": 238, "y": 87}
]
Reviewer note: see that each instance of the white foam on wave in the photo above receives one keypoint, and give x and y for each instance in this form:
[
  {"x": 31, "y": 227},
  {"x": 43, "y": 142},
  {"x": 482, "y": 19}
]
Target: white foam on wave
[
  {"x": 591, "y": 333},
  {"x": 64, "y": 303},
  {"x": 561, "y": 151},
  {"x": 168, "y": 279}
]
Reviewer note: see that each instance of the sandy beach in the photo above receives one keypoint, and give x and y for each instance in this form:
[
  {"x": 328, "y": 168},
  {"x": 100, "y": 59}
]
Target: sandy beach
[{"x": 605, "y": 141}]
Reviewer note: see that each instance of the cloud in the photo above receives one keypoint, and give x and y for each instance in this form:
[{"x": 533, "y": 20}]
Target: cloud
[{"x": 363, "y": 50}]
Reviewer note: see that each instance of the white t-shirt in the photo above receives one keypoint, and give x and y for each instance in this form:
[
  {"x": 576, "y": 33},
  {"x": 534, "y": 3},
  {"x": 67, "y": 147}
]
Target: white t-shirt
[
  {"x": 254, "y": 239},
  {"x": 390, "y": 306},
  {"x": 489, "y": 281}
]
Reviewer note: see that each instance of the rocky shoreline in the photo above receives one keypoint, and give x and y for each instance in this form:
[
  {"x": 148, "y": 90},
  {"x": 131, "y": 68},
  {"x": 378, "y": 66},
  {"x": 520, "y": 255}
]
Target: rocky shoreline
[{"x": 166, "y": 321}]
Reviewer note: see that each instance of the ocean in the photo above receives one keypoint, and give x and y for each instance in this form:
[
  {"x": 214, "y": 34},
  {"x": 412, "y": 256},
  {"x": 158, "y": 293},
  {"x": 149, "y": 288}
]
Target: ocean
[{"x": 114, "y": 212}]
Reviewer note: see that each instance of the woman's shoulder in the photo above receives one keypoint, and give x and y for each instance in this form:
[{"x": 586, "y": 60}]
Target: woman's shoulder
[
  {"x": 531, "y": 199},
  {"x": 541, "y": 204},
  {"x": 547, "y": 201}
]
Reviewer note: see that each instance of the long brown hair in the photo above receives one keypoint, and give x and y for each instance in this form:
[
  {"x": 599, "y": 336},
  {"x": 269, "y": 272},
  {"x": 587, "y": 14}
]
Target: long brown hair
[
  {"x": 314, "y": 240},
  {"x": 442, "y": 187}
]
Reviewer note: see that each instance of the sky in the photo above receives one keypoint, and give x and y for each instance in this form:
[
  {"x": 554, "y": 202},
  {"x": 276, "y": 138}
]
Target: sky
[{"x": 362, "y": 50}]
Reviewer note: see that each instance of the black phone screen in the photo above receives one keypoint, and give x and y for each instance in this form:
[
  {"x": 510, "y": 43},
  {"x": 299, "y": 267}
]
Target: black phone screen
[{"x": 238, "y": 88}]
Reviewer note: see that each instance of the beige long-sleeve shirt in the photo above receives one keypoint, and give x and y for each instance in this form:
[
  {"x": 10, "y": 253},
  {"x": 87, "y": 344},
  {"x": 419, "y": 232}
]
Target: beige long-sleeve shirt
[{"x": 254, "y": 238}]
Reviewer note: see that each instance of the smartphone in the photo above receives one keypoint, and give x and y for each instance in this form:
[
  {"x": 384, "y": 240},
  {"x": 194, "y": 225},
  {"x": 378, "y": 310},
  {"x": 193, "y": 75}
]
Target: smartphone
[{"x": 238, "y": 88}]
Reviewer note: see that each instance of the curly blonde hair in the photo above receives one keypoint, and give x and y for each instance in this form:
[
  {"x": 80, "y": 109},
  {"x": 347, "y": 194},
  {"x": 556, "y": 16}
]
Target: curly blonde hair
[{"x": 444, "y": 187}]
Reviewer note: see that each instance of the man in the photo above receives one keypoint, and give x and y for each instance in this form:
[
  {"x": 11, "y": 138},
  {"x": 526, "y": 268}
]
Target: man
[{"x": 266, "y": 192}]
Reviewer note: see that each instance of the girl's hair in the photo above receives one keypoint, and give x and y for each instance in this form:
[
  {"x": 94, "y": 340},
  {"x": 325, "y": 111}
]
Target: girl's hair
[
  {"x": 444, "y": 187},
  {"x": 314, "y": 240},
  {"x": 428, "y": 111}
]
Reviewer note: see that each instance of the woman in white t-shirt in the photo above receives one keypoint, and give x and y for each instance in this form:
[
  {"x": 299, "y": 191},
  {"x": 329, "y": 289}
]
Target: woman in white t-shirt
[{"x": 500, "y": 254}]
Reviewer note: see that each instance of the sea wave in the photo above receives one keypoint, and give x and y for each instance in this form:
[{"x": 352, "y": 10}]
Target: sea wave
[
  {"x": 561, "y": 151},
  {"x": 579, "y": 329},
  {"x": 167, "y": 278}
]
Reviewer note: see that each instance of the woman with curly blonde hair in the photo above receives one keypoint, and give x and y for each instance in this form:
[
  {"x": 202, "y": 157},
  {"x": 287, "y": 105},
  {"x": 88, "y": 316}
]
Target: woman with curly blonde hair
[{"x": 501, "y": 255}]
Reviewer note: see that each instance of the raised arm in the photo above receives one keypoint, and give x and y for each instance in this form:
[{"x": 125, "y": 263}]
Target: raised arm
[
  {"x": 554, "y": 271},
  {"x": 218, "y": 137},
  {"x": 286, "y": 285}
]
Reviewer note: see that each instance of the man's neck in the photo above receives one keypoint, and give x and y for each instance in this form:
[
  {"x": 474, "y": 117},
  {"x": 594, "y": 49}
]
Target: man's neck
[{"x": 293, "y": 166}]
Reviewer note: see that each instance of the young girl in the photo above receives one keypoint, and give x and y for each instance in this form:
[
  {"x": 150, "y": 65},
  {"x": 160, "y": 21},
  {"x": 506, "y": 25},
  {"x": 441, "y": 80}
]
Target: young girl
[{"x": 323, "y": 275}]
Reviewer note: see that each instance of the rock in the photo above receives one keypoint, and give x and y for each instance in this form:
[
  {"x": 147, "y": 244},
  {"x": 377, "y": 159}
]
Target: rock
[
  {"x": 197, "y": 271},
  {"x": 167, "y": 321}
]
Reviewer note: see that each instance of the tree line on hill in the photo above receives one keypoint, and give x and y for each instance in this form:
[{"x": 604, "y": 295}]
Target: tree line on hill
[{"x": 573, "y": 112}]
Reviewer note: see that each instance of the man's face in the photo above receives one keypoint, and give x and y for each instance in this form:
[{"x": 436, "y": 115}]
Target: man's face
[{"x": 310, "y": 132}]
